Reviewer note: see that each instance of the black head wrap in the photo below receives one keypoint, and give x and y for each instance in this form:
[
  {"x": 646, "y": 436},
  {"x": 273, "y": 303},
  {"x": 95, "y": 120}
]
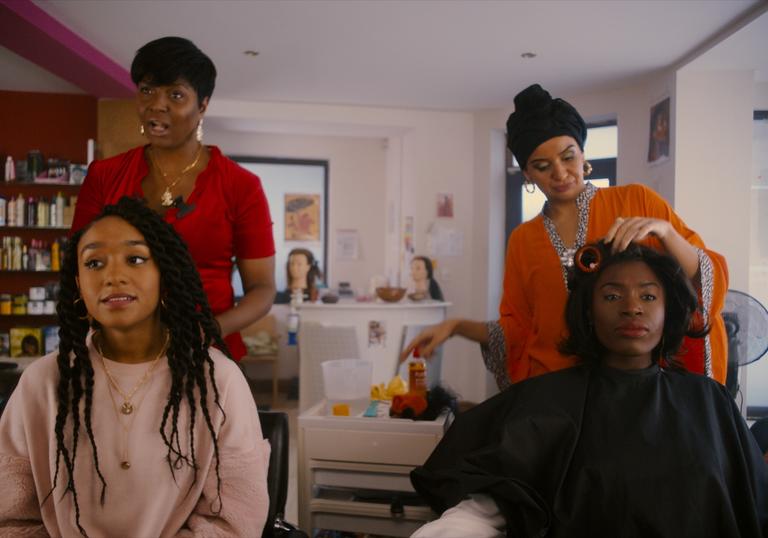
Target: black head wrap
[{"x": 537, "y": 118}]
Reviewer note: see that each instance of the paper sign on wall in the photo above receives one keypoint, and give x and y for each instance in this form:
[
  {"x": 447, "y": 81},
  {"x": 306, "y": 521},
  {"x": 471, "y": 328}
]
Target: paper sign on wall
[
  {"x": 347, "y": 245},
  {"x": 442, "y": 241}
]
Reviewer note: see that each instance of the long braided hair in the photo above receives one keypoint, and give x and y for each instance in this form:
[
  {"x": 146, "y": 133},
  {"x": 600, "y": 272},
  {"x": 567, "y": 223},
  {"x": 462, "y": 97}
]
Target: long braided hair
[{"x": 192, "y": 330}]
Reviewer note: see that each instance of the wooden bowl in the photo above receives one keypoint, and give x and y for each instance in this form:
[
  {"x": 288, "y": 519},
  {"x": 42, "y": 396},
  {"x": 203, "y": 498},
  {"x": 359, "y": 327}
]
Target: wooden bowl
[{"x": 391, "y": 295}]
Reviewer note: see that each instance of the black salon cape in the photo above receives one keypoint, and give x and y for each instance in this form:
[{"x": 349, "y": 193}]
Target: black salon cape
[{"x": 606, "y": 453}]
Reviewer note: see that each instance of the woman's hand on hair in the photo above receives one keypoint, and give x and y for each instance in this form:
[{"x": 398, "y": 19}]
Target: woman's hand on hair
[
  {"x": 428, "y": 339},
  {"x": 626, "y": 230}
]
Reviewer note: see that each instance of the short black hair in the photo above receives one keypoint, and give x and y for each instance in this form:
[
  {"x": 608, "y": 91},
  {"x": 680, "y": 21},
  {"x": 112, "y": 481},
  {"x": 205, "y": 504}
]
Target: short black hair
[
  {"x": 164, "y": 61},
  {"x": 680, "y": 304}
]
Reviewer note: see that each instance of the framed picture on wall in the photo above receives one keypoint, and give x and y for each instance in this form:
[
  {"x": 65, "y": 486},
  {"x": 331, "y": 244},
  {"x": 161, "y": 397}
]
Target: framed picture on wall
[
  {"x": 302, "y": 217},
  {"x": 659, "y": 139}
]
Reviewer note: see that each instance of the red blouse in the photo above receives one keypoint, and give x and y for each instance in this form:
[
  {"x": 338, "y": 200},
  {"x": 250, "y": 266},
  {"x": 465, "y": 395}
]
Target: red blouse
[{"x": 230, "y": 219}]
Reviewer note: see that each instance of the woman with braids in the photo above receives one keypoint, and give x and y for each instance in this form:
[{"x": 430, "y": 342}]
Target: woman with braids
[
  {"x": 216, "y": 206},
  {"x": 627, "y": 443},
  {"x": 136, "y": 427},
  {"x": 547, "y": 137}
]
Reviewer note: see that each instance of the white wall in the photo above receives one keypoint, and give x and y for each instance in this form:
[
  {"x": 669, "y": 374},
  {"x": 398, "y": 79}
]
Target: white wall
[
  {"x": 426, "y": 152},
  {"x": 761, "y": 96},
  {"x": 714, "y": 160}
]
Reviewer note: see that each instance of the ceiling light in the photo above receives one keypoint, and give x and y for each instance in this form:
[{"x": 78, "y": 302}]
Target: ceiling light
[
  {"x": 251, "y": 52},
  {"x": 528, "y": 55}
]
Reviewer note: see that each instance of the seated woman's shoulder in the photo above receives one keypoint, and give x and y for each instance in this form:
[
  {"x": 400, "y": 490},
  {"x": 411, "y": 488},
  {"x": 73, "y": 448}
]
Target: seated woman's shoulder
[
  {"x": 40, "y": 375},
  {"x": 224, "y": 365},
  {"x": 695, "y": 381},
  {"x": 550, "y": 383}
]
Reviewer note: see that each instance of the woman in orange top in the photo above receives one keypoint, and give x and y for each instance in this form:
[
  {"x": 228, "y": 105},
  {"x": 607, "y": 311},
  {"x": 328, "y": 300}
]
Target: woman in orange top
[{"x": 547, "y": 137}]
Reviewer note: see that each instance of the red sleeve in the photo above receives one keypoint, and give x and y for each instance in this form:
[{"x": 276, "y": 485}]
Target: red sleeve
[
  {"x": 253, "y": 223},
  {"x": 90, "y": 198}
]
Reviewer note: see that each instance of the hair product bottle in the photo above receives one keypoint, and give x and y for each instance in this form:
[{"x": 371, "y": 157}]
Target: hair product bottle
[{"x": 417, "y": 374}]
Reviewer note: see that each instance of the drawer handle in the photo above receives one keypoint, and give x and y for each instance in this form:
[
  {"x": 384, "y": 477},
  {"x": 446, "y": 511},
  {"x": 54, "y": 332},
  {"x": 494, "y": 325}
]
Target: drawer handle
[{"x": 396, "y": 507}]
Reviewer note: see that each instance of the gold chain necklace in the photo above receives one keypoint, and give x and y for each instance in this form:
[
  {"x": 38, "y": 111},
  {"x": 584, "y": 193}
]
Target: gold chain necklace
[
  {"x": 127, "y": 407},
  {"x": 166, "y": 199},
  {"x": 125, "y": 460}
]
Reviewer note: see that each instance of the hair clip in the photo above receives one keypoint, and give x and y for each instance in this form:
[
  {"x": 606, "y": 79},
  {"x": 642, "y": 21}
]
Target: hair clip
[{"x": 588, "y": 259}]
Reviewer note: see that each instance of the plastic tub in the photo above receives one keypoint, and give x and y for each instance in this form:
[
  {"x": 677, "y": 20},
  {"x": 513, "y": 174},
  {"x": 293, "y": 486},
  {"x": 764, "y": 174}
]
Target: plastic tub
[{"x": 348, "y": 381}]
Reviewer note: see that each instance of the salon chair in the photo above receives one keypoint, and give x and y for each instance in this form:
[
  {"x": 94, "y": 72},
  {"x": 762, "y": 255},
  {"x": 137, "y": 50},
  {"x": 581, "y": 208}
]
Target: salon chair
[{"x": 274, "y": 427}]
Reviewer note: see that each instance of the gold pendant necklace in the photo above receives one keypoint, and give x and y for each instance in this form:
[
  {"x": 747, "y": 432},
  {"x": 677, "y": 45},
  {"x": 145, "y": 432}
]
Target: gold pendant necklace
[
  {"x": 166, "y": 199},
  {"x": 127, "y": 407}
]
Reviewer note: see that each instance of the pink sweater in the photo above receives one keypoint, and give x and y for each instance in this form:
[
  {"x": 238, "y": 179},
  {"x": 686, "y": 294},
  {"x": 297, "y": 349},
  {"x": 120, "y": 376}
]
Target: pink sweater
[{"x": 143, "y": 501}]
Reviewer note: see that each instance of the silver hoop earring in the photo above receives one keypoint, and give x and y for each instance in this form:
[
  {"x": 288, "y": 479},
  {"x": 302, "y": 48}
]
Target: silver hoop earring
[
  {"x": 199, "y": 132},
  {"x": 527, "y": 184}
]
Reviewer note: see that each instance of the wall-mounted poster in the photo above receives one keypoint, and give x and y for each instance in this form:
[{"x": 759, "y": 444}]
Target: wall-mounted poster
[
  {"x": 658, "y": 140},
  {"x": 377, "y": 333},
  {"x": 408, "y": 236},
  {"x": 302, "y": 217},
  {"x": 445, "y": 205}
]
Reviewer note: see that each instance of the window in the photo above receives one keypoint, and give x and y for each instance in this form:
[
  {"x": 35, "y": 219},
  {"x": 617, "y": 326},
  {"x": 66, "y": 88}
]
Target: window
[
  {"x": 757, "y": 373},
  {"x": 282, "y": 179},
  {"x": 601, "y": 150}
]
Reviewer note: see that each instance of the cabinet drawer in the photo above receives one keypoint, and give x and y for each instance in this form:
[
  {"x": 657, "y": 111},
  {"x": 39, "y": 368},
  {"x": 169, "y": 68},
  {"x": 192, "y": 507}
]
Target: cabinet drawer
[
  {"x": 362, "y": 479},
  {"x": 369, "y": 447}
]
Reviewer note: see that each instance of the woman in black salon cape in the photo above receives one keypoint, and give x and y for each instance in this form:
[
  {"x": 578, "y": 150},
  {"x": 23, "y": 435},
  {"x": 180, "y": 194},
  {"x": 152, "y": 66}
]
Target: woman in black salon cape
[{"x": 596, "y": 450}]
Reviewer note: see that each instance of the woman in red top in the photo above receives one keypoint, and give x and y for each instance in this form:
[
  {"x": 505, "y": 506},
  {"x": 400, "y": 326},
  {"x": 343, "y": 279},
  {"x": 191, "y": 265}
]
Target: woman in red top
[{"x": 217, "y": 207}]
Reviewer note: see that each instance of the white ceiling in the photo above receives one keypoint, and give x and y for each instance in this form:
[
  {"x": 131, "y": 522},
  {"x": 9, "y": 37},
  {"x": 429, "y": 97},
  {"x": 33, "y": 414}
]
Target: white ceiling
[
  {"x": 746, "y": 49},
  {"x": 461, "y": 55}
]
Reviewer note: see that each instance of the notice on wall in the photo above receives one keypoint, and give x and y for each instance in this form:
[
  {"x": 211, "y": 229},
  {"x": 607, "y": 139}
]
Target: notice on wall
[
  {"x": 347, "y": 245},
  {"x": 445, "y": 241}
]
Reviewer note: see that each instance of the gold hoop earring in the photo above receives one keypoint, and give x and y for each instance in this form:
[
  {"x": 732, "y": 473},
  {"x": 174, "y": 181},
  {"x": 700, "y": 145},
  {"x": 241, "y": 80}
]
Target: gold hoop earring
[
  {"x": 587, "y": 168},
  {"x": 199, "y": 132},
  {"x": 141, "y": 129},
  {"x": 74, "y": 304},
  {"x": 527, "y": 184}
]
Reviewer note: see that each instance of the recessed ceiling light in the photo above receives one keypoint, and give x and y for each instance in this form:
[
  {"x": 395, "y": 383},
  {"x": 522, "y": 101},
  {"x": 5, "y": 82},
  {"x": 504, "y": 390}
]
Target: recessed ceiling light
[
  {"x": 528, "y": 55},
  {"x": 251, "y": 52}
]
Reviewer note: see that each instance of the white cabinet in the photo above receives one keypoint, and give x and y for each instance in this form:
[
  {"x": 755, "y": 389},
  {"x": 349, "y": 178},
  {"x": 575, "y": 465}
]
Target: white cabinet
[{"x": 351, "y": 469}]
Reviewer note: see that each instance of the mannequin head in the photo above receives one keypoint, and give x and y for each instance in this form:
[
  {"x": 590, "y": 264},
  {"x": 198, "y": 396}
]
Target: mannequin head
[
  {"x": 422, "y": 273},
  {"x": 302, "y": 270}
]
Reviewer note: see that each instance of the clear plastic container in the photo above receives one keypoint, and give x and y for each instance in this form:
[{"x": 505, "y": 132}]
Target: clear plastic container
[{"x": 348, "y": 381}]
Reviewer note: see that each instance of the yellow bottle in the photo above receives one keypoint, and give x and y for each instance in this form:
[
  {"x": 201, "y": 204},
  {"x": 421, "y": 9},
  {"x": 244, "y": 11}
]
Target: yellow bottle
[
  {"x": 417, "y": 374},
  {"x": 55, "y": 256}
]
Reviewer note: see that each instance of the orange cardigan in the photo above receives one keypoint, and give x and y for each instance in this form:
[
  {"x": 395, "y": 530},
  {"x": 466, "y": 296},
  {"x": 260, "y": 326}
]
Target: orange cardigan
[{"x": 533, "y": 304}]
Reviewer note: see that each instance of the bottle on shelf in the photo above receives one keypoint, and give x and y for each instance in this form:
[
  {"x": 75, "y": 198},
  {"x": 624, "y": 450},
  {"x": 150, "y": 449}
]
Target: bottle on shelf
[
  {"x": 17, "y": 253},
  {"x": 55, "y": 254},
  {"x": 10, "y": 212},
  {"x": 59, "y": 203},
  {"x": 10, "y": 169},
  {"x": 20, "y": 208},
  {"x": 297, "y": 298},
  {"x": 32, "y": 212}
]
